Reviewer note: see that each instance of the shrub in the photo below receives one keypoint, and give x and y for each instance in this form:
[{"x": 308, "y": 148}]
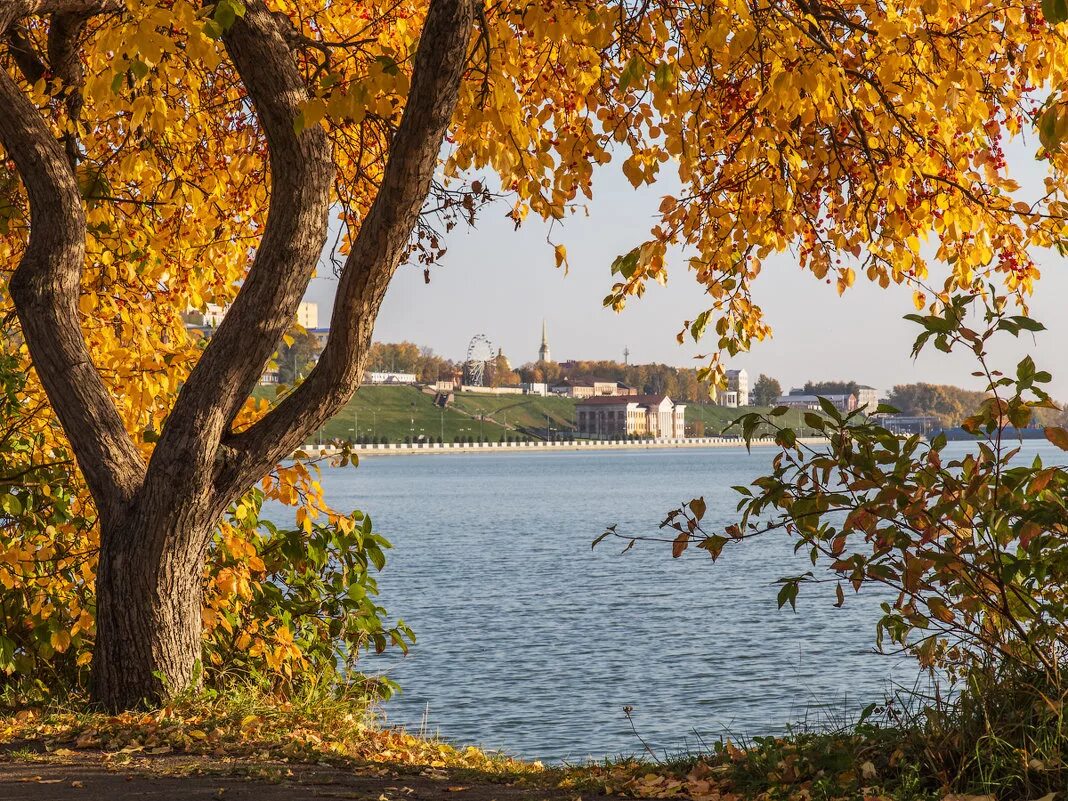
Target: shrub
[{"x": 281, "y": 605}]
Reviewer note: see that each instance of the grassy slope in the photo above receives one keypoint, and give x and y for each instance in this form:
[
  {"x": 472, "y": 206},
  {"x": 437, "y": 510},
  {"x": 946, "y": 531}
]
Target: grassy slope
[
  {"x": 397, "y": 412},
  {"x": 717, "y": 418}
]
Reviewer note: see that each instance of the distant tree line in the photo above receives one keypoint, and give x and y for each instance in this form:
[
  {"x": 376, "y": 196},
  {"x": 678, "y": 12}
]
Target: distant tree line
[
  {"x": 407, "y": 357},
  {"x": 681, "y": 383}
]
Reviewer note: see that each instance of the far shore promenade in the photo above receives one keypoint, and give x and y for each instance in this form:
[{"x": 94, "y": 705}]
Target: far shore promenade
[{"x": 417, "y": 448}]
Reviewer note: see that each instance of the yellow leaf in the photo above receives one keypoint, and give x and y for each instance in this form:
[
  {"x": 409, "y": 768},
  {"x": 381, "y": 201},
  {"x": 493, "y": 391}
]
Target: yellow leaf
[
  {"x": 60, "y": 640},
  {"x": 561, "y": 258},
  {"x": 313, "y": 111}
]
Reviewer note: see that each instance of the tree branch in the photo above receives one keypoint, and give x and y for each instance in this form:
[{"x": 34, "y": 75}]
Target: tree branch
[
  {"x": 13, "y": 10},
  {"x": 302, "y": 171},
  {"x": 64, "y": 56},
  {"x": 377, "y": 252},
  {"x": 25, "y": 56},
  {"x": 45, "y": 290}
]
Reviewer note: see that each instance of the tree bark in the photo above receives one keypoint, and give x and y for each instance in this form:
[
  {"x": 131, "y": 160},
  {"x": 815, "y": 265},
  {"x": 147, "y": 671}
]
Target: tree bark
[{"x": 149, "y": 588}]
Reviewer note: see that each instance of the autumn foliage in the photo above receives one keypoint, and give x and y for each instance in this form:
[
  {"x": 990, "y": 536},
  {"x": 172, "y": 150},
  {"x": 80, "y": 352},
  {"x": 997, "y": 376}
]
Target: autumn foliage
[{"x": 868, "y": 136}]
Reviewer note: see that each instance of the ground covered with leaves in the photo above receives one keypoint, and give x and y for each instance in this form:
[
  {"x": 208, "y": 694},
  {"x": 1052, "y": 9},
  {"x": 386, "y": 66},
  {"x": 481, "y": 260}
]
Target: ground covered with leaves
[{"x": 247, "y": 746}]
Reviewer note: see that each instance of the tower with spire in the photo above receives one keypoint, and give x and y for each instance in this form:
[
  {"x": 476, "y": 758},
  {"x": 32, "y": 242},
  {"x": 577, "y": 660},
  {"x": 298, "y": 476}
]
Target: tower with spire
[{"x": 543, "y": 351}]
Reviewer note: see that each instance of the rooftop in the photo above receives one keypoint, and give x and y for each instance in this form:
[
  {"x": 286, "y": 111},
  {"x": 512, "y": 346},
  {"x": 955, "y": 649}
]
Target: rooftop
[{"x": 623, "y": 400}]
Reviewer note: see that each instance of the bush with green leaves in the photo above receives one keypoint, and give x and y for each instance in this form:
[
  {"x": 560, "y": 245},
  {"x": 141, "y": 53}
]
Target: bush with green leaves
[
  {"x": 317, "y": 586},
  {"x": 974, "y": 546},
  {"x": 282, "y": 606},
  {"x": 969, "y": 546}
]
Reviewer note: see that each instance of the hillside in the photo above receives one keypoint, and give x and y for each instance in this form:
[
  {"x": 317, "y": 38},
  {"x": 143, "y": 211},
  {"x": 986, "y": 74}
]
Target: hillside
[
  {"x": 717, "y": 418},
  {"x": 396, "y": 412},
  {"x": 402, "y": 411}
]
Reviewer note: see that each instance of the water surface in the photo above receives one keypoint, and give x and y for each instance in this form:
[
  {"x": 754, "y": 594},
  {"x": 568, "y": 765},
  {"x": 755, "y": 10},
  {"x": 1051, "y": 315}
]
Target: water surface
[{"x": 530, "y": 641}]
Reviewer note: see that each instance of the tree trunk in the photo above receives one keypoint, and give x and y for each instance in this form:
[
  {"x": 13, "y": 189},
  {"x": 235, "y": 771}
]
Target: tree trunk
[
  {"x": 149, "y": 588},
  {"x": 156, "y": 520}
]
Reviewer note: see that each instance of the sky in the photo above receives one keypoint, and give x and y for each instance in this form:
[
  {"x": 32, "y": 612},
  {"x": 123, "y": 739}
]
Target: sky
[{"x": 503, "y": 283}]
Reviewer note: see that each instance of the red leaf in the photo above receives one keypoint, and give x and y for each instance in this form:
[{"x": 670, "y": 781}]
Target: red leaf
[
  {"x": 1058, "y": 436},
  {"x": 680, "y": 544}
]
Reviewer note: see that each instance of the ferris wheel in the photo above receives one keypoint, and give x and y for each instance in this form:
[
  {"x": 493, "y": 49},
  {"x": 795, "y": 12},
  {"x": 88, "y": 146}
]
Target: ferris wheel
[{"x": 479, "y": 354}]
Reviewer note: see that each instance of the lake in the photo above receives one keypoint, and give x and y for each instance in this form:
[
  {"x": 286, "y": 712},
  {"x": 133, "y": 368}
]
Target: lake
[{"x": 531, "y": 642}]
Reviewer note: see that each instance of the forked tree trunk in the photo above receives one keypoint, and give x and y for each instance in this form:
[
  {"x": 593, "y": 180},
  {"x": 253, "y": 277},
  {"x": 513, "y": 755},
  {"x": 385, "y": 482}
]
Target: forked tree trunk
[
  {"x": 157, "y": 519},
  {"x": 149, "y": 589}
]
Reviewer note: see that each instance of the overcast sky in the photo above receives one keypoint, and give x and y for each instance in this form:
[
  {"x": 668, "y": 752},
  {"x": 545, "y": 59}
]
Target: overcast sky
[{"x": 501, "y": 282}]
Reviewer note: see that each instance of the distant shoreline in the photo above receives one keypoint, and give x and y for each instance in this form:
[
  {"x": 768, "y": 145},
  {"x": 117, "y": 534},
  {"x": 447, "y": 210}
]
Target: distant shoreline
[{"x": 415, "y": 449}]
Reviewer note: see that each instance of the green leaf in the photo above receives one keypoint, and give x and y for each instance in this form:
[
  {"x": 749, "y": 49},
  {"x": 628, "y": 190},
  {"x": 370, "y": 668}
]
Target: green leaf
[
  {"x": 10, "y": 505},
  {"x": 631, "y": 73},
  {"x": 662, "y": 76},
  {"x": 1055, "y": 11},
  {"x": 829, "y": 408},
  {"x": 226, "y": 12},
  {"x": 139, "y": 68},
  {"x": 698, "y": 326},
  {"x": 608, "y": 533},
  {"x": 388, "y": 65},
  {"x": 212, "y": 29},
  {"x": 1027, "y": 324},
  {"x": 788, "y": 594},
  {"x": 626, "y": 265}
]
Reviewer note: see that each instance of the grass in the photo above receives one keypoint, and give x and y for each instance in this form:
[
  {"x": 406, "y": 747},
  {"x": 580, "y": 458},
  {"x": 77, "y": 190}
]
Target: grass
[
  {"x": 403, "y": 411},
  {"x": 396, "y": 412},
  {"x": 717, "y": 418},
  {"x": 318, "y": 723},
  {"x": 1003, "y": 742}
]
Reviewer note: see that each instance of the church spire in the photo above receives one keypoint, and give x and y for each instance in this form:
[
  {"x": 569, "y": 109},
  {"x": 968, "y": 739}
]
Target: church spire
[{"x": 543, "y": 351}]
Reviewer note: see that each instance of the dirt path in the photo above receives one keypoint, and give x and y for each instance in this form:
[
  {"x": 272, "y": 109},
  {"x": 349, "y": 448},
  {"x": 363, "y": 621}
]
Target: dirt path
[{"x": 89, "y": 776}]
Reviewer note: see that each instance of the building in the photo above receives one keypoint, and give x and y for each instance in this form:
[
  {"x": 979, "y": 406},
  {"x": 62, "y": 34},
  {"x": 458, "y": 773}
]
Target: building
[
  {"x": 621, "y": 416},
  {"x": 543, "y": 352},
  {"x": 728, "y": 398},
  {"x": 481, "y": 390},
  {"x": 797, "y": 400},
  {"x": 867, "y": 397},
  {"x": 535, "y": 388},
  {"x": 389, "y": 378},
  {"x": 208, "y": 320},
  {"x": 308, "y": 316},
  {"x": 578, "y": 389},
  {"x": 737, "y": 393},
  {"x": 910, "y": 424}
]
